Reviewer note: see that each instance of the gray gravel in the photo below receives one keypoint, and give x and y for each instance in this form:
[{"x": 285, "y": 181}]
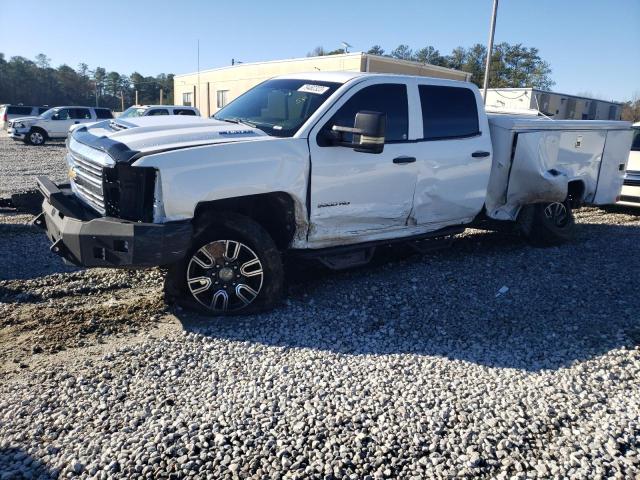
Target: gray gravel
[
  {"x": 491, "y": 359},
  {"x": 20, "y": 164}
]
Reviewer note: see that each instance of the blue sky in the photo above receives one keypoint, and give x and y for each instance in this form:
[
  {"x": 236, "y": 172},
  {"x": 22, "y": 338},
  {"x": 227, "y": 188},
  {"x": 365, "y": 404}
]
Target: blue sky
[{"x": 592, "y": 46}]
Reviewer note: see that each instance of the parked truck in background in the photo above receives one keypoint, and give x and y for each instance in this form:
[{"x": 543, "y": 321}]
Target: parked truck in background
[
  {"x": 324, "y": 165},
  {"x": 630, "y": 194},
  {"x": 55, "y": 123}
]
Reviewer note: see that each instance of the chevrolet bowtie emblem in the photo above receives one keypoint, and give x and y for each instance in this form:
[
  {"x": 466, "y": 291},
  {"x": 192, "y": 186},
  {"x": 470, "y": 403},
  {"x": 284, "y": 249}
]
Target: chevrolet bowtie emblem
[{"x": 72, "y": 174}]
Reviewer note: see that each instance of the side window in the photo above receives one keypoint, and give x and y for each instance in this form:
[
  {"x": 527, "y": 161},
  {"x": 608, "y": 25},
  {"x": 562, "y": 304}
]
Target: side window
[
  {"x": 158, "y": 111},
  {"x": 103, "y": 113},
  {"x": 19, "y": 111},
  {"x": 388, "y": 98},
  {"x": 183, "y": 111},
  {"x": 448, "y": 112},
  {"x": 635, "y": 146},
  {"x": 62, "y": 114},
  {"x": 80, "y": 113},
  {"x": 186, "y": 99}
]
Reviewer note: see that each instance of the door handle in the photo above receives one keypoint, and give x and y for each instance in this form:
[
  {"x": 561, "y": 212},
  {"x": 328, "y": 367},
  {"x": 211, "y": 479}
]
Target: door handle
[
  {"x": 404, "y": 159},
  {"x": 76, "y": 122},
  {"x": 480, "y": 154}
]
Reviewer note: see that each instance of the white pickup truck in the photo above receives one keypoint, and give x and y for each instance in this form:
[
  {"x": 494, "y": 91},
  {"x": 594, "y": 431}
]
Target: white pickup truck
[{"x": 326, "y": 165}]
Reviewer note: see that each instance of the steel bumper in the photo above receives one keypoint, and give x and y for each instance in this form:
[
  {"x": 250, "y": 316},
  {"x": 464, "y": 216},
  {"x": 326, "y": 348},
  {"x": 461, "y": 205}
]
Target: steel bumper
[{"x": 84, "y": 238}]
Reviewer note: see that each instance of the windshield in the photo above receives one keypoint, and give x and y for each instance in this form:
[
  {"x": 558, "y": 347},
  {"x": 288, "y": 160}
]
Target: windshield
[
  {"x": 278, "y": 107},
  {"x": 49, "y": 113},
  {"x": 133, "y": 112},
  {"x": 635, "y": 146}
]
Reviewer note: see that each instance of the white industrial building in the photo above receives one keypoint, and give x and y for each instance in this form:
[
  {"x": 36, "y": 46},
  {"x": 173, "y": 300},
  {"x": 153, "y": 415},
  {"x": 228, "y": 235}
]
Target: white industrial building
[{"x": 552, "y": 104}]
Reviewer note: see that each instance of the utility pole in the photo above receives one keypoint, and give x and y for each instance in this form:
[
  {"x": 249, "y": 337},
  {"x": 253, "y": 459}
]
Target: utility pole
[
  {"x": 96, "y": 85},
  {"x": 122, "y": 100},
  {"x": 161, "y": 97},
  {"x": 136, "y": 97},
  {"x": 492, "y": 31},
  {"x": 198, "y": 100}
]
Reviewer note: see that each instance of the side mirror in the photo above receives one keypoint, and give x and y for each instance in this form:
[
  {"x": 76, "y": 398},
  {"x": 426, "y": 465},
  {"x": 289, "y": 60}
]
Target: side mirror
[{"x": 368, "y": 132}]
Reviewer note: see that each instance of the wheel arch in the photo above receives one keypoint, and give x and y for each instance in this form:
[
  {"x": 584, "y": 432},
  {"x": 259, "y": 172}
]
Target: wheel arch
[
  {"x": 274, "y": 211},
  {"x": 37, "y": 128},
  {"x": 576, "y": 190}
]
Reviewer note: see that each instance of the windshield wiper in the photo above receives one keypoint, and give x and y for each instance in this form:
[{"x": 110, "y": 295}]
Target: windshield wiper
[{"x": 238, "y": 120}]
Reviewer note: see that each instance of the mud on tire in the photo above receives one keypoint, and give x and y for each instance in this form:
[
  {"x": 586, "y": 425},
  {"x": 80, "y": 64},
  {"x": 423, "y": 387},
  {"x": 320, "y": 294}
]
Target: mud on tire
[{"x": 233, "y": 268}]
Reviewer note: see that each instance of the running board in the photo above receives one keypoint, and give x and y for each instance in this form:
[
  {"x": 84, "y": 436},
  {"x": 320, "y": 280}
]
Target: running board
[
  {"x": 354, "y": 255},
  {"x": 341, "y": 261}
]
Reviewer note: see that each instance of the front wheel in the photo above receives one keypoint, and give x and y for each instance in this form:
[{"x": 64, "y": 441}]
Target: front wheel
[
  {"x": 35, "y": 137},
  {"x": 233, "y": 268},
  {"x": 547, "y": 224}
]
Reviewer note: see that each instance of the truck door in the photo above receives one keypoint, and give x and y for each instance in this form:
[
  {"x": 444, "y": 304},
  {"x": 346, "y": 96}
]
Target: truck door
[
  {"x": 354, "y": 193},
  {"x": 59, "y": 124},
  {"x": 454, "y": 162}
]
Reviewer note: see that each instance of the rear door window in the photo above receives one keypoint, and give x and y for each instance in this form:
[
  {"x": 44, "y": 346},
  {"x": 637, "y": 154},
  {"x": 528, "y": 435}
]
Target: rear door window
[
  {"x": 158, "y": 111},
  {"x": 183, "y": 111},
  {"x": 19, "y": 110},
  {"x": 448, "y": 112},
  {"x": 80, "y": 113},
  {"x": 103, "y": 113},
  {"x": 387, "y": 98}
]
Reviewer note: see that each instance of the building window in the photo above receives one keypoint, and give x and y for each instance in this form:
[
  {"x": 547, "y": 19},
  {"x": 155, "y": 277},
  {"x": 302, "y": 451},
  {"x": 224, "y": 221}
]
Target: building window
[
  {"x": 186, "y": 99},
  {"x": 222, "y": 98}
]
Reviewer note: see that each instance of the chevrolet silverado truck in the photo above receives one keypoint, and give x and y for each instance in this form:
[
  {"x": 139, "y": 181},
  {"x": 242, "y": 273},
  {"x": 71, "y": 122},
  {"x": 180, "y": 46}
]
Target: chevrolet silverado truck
[{"x": 325, "y": 165}]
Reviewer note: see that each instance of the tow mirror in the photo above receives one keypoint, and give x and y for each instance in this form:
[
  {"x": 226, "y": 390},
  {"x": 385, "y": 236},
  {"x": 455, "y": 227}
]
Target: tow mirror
[{"x": 368, "y": 132}]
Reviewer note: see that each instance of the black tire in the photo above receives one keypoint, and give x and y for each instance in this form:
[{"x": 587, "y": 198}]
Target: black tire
[
  {"x": 226, "y": 274},
  {"x": 547, "y": 224},
  {"x": 36, "y": 137}
]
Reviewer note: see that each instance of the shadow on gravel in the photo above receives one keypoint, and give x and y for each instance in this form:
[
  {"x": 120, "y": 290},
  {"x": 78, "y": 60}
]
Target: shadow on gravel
[
  {"x": 563, "y": 304},
  {"x": 15, "y": 463}
]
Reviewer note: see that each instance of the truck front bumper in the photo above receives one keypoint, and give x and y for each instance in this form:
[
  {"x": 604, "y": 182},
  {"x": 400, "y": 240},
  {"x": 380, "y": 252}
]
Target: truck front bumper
[
  {"x": 83, "y": 238},
  {"x": 17, "y": 134},
  {"x": 630, "y": 194}
]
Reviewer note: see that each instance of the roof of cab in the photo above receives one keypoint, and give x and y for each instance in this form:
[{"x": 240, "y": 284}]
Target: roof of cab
[{"x": 344, "y": 77}]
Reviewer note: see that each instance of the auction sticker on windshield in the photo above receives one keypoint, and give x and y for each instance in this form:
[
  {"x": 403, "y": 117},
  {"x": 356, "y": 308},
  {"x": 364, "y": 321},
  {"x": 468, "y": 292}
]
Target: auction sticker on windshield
[{"x": 317, "y": 89}]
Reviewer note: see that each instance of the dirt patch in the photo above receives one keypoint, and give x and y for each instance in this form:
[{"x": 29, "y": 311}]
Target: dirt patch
[{"x": 61, "y": 311}]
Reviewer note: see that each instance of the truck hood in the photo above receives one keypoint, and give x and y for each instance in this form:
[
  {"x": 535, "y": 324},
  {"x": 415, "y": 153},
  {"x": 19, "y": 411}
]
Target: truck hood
[
  {"x": 125, "y": 138},
  {"x": 29, "y": 119}
]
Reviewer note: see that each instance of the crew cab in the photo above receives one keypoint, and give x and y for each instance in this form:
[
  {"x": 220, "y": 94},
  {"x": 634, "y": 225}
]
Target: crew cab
[
  {"x": 325, "y": 165},
  {"x": 54, "y": 123}
]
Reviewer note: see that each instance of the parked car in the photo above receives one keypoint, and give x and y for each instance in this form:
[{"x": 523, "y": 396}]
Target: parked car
[
  {"x": 149, "y": 110},
  {"x": 54, "y": 123},
  {"x": 630, "y": 194},
  {"x": 10, "y": 112},
  {"x": 321, "y": 165}
]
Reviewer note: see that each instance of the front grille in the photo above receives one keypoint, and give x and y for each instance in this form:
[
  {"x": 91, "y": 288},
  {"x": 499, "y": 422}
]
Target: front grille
[{"x": 87, "y": 180}]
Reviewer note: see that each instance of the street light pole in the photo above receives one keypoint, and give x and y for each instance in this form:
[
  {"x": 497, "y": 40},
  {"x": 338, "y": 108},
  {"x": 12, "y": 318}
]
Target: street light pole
[{"x": 492, "y": 31}]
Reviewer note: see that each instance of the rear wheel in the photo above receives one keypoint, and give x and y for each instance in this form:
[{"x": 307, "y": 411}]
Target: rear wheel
[
  {"x": 233, "y": 268},
  {"x": 36, "y": 137},
  {"x": 546, "y": 224}
]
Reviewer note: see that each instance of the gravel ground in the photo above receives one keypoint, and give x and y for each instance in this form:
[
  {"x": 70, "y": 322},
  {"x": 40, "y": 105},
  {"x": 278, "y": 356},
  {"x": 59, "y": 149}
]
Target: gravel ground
[
  {"x": 20, "y": 164},
  {"x": 488, "y": 360}
]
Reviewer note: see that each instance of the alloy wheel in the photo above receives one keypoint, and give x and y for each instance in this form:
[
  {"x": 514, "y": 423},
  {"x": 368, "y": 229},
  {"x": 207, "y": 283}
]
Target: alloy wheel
[
  {"x": 557, "y": 213},
  {"x": 36, "y": 138},
  {"x": 225, "y": 276}
]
